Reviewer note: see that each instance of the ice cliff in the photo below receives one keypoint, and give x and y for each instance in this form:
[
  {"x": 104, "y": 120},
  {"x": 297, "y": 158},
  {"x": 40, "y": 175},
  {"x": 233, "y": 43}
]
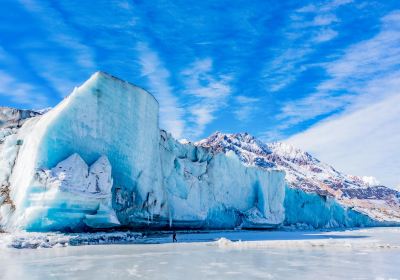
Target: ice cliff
[
  {"x": 316, "y": 195},
  {"x": 98, "y": 160}
]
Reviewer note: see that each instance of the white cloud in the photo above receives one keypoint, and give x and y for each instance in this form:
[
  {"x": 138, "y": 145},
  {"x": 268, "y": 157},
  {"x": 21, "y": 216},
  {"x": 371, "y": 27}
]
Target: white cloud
[
  {"x": 324, "y": 19},
  {"x": 17, "y": 91},
  {"x": 284, "y": 69},
  {"x": 20, "y": 92},
  {"x": 325, "y": 35},
  {"x": 246, "y": 107},
  {"x": 324, "y": 6},
  {"x": 201, "y": 83},
  {"x": 202, "y": 114},
  {"x": 308, "y": 27},
  {"x": 364, "y": 142},
  {"x": 52, "y": 66},
  {"x": 210, "y": 93},
  {"x": 351, "y": 77},
  {"x": 363, "y": 139},
  {"x": 171, "y": 114},
  {"x": 206, "y": 93}
]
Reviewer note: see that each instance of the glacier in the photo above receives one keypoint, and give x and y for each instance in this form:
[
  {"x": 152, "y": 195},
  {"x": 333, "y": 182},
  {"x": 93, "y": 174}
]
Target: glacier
[
  {"x": 99, "y": 160},
  {"x": 218, "y": 188}
]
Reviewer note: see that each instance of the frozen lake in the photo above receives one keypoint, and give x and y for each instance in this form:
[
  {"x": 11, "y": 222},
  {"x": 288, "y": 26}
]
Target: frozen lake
[{"x": 355, "y": 254}]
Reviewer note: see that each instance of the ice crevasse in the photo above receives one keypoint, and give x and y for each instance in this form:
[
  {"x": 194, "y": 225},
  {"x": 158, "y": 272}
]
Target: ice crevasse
[{"x": 99, "y": 160}]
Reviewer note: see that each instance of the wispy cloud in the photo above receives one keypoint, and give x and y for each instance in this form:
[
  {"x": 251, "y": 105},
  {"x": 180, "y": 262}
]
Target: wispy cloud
[
  {"x": 56, "y": 67},
  {"x": 362, "y": 142},
  {"x": 308, "y": 27},
  {"x": 21, "y": 92},
  {"x": 324, "y": 19},
  {"x": 209, "y": 93},
  {"x": 17, "y": 91},
  {"x": 351, "y": 77},
  {"x": 171, "y": 114},
  {"x": 204, "y": 93},
  {"x": 246, "y": 107},
  {"x": 325, "y": 6},
  {"x": 325, "y": 35},
  {"x": 363, "y": 138}
]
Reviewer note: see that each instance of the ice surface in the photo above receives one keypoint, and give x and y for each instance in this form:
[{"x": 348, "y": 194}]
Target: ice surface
[
  {"x": 98, "y": 160},
  {"x": 352, "y": 254}
]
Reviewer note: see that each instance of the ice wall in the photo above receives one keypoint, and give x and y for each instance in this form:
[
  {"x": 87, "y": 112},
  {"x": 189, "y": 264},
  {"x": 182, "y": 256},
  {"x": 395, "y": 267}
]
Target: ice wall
[
  {"x": 303, "y": 209},
  {"x": 97, "y": 160},
  {"x": 217, "y": 190},
  {"x": 103, "y": 117}
]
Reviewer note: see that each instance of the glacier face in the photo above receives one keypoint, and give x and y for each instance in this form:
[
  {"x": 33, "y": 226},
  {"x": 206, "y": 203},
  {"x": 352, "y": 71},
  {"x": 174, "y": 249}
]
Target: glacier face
[
  {"x": 317, "y": 195},
  {"x": 311, "y": 210},
  {"x": 89, "y": 123},
  {"x": 97, "y": 160},
  {"x": 217, "y": 190}
]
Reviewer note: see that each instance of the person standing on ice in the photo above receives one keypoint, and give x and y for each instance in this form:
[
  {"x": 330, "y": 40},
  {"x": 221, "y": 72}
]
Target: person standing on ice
[{"x": 174, "y": 236}]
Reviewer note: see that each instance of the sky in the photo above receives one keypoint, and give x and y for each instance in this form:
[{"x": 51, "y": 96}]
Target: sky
[{"x": 322, "y": 75}]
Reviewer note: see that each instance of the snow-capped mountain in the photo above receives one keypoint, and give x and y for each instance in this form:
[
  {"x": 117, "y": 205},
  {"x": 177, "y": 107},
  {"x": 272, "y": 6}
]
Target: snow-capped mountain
[
  {"x": 11, "y": 118},
  {"x": 307, "y": 173}
]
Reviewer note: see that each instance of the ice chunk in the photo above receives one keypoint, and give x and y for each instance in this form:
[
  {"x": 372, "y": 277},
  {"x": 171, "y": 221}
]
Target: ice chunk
[
  {"x": 64, "y": 197},
  {"x": 100, "y": 180},
  {"x": 71, "y": 174}
]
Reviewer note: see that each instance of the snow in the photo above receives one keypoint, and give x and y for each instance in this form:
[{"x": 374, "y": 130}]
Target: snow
[
  {"x": 370, "y": 181},
  {"x": 10, "y": 117}
]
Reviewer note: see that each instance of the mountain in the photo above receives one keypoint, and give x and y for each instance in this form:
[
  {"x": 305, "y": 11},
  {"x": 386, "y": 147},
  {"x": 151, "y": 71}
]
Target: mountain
[
  {"x": 307, "y": 174},
  {"x": 15, "y": 118}
]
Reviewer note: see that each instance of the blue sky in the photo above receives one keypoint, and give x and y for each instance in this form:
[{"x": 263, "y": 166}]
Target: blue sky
[{"x": 275, "y": 69}]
